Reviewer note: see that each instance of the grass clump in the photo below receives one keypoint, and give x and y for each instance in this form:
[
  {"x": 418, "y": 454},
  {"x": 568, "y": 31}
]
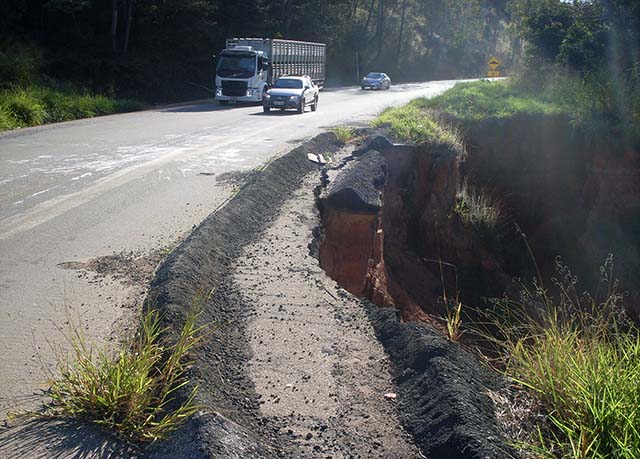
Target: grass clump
[
  {"x": 477, "y": 207},
  {"x": 453, "y": 322},
  {"x": 131, "y": 392},
  {"x": 344, "y": 134},
  {"x": 413, "y": 123},
  {"x": 580, "y": 357}
]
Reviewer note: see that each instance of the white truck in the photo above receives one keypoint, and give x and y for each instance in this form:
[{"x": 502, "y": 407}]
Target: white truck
[{"x": 248, "y": 67}]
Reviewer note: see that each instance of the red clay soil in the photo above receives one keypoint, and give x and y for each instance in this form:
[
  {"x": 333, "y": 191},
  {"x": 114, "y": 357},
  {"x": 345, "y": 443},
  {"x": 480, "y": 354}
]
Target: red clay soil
[
  {"x": 348, "y": 247},
  {"x": 391, "y": 256},
  {"x": 572, "y": 196}
]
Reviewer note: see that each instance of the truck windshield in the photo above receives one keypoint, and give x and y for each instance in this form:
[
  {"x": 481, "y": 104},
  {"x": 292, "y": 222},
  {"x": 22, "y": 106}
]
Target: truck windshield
[
  {"x": 237, "y": 66},
  {"x": 288, "y": 83}
]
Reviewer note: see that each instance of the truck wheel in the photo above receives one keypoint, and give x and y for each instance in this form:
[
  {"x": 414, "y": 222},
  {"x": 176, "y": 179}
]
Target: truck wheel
[
  {"x": 314, "y": 107},
  {"x": 301, "y": 106},
  {"x": 266, "y": 109},
  {"x": 223, "y": 102}
]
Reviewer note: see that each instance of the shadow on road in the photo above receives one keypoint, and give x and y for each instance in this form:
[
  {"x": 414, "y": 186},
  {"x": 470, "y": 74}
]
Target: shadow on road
[
  {"x": 197, "y": 108},
  {"x": 278, "y": 112},
  {"x": 49, "y": 439}
]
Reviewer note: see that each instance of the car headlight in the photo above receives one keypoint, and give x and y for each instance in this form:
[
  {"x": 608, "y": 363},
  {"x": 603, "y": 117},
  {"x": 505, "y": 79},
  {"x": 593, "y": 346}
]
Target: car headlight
[
  {"x": 293, "y": 97},
  {"x": 218, "y": 91}
]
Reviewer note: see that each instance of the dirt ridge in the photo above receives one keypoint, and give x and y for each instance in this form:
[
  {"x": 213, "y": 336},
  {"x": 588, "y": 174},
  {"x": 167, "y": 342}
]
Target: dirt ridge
[{"x": 198, "y": 267}]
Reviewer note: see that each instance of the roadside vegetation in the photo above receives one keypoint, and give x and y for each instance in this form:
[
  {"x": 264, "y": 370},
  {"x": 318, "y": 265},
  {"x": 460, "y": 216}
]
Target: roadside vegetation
[
  {"x": 132, "y": 391},
  {"x": 344, "y": 134},
  {"x": 579, "y": 356},
  {"x": 580, "y": 59},
  {"x": 22, "y": 106},
  {"x": 28, "y": 99},
  {"x": 489, "y": 99},
  {"x": 415, "y": 124}
]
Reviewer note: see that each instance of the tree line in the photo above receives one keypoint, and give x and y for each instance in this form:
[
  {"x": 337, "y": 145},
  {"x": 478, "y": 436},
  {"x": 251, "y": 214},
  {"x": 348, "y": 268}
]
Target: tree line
[{"x": 163, "y": 49}]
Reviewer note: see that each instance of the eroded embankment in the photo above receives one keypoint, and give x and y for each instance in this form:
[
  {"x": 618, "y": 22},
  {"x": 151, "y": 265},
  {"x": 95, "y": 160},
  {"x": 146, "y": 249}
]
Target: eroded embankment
[
  {"x": 571, "y": 196},
  {"x": 399, "y": 248},
  {"x": 383, "y": 210},
  {"x": 394, "y": 232}
]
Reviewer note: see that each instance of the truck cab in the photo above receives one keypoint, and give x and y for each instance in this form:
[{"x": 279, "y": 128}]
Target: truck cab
[{"x": 241, "y": 75}]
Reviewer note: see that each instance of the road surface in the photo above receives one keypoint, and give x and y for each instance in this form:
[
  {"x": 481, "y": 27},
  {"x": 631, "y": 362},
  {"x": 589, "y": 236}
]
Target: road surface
[{"x": 134, "y": 184}]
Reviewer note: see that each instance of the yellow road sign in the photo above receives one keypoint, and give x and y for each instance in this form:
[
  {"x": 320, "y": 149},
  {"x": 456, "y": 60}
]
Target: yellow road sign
[
  {"x": 493, "y": 73},
  {"x": 494, "y": 63}
]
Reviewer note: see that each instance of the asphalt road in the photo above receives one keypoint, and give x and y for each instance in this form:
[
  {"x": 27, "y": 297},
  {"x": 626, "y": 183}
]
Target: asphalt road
[{"x": 74, "y": 191}]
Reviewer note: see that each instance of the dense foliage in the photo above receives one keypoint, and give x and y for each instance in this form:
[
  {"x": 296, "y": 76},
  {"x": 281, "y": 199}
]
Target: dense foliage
[{"x": 586, "y": 56}]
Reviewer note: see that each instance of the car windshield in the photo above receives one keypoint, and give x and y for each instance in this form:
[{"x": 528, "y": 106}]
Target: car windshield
[
  {"x": 374, "y": 76},
  {"x": 240, "y": 66},
  {"x": 288, "y": 83}
]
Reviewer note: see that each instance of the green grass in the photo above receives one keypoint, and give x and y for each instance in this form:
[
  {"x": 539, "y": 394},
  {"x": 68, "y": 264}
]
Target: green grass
[
  {"x": 36, "y": 105},
  {"x": 580, "y": 357},
  {"x": 488, "y": 99},
  {"x": 130, "y": 392},
  {"x": 344, "y": 134},
  {"x": 594, "y": 102},
  {"x": 413, "y": 123}
]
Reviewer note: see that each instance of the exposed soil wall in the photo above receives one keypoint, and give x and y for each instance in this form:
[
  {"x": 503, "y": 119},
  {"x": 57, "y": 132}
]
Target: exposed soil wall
[
  {"x": 574, "y": 196},
  {"x": 413, "y": 249}
]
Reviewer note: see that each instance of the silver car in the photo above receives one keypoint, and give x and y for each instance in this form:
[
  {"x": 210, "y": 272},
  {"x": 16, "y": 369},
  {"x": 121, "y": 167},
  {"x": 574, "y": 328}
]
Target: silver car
[
  {"x": 376, "y": 80},
  {"x": 291, "y": 92}
]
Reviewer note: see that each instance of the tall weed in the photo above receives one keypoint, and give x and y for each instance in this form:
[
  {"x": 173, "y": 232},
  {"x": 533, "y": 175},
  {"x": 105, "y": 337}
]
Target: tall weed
[
  {"x": 131, "y": 392},
  {"x": 580, "y": 356}
]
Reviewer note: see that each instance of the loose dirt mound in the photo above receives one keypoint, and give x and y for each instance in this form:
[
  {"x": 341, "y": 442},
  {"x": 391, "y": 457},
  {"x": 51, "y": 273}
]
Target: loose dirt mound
[{"x": 446, "y": 406}]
